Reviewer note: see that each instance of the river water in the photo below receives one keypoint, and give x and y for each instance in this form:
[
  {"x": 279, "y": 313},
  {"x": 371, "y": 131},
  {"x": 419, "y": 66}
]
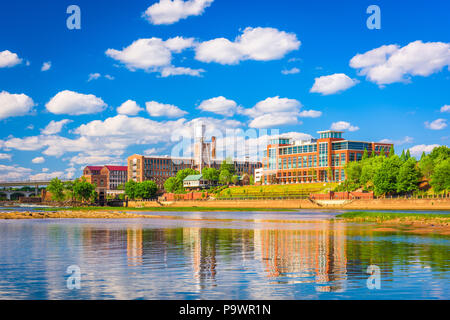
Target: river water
[{"x": 241, "y": 255}]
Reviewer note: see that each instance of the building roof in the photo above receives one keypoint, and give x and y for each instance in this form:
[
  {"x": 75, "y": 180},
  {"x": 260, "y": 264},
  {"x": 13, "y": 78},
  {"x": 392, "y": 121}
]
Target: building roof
[
  {"x": 324, "y": 131},
  {"x": 94, "y": 168},
  {"x": 193, "y": 177},
  {"x": 117, "y": 168}
]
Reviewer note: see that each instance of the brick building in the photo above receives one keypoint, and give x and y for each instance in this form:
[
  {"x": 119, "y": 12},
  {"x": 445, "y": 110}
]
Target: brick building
[
  {"x": 315, "y": 160},
  {"x": 115, "y": 176},
  {"x": 106, "y": 178},
  {"x": 160, "y": 168},
  {"x": 93, "y": 175}
]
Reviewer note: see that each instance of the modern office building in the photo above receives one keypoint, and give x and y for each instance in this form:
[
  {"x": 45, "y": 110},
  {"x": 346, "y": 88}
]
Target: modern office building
[{"x": 315, "y": 160}]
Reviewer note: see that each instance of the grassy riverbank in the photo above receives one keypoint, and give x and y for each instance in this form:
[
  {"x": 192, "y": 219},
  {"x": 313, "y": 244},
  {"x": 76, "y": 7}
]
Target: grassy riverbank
[
  {"x": 432, "y": 223},
  {"x": 366, "y": 216}
]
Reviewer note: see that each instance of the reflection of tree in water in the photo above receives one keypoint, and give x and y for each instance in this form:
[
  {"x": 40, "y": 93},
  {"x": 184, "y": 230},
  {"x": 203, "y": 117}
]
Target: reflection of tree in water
[{"x": 390, "y": 249}]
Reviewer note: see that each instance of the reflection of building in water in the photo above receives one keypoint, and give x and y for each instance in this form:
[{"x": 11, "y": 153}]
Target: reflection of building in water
[
  {"x": 316, "y": 255},
  {"x": 134, "y": 246},
  {"x": 203, "y": 252}
]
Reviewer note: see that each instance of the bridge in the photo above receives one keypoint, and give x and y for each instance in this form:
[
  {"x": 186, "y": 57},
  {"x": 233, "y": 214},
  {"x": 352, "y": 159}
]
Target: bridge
[{"x": 31, "y": 183}]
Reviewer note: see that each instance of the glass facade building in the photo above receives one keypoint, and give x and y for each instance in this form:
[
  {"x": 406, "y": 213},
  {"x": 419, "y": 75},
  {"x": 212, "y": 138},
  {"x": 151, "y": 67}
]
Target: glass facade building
[{"x": 317, "y": 160}]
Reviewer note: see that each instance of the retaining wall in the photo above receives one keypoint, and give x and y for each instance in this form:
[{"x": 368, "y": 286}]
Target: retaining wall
[{"x": 357, "y": 204}]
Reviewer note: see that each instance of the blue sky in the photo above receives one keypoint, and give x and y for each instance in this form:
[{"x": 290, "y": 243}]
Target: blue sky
[{"x": 233, "y": 52}]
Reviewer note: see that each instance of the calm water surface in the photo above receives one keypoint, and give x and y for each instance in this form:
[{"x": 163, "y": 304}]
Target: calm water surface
[{"x": 242, "y": 255}]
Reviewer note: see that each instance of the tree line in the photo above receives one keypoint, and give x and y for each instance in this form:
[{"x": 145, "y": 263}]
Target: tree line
[
  {"x": 77, "y": 190},
  {"x": 395, "y": 174},
  {"x": 226, "y": 175}
]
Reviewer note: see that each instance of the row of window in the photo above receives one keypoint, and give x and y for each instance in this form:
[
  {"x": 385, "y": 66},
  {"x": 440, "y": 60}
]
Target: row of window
[
  {"x": 351, "y": 145},
  {"x": 307, "y": 148},
  {"x": 337, "y": 175},
  {"x": 337, "y": 160}
]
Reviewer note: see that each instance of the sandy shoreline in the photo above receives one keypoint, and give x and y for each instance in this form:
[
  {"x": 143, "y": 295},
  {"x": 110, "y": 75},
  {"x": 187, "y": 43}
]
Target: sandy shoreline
[{"x": 430, "y": 226}]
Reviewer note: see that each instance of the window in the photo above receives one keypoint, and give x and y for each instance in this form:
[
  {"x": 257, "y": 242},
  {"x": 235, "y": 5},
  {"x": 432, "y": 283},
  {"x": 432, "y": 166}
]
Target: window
[
  {"x": 323, "y": 154},
  {"x": 342, "y": 159}
]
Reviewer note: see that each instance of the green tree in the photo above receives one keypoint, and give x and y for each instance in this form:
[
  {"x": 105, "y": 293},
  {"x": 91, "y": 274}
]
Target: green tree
[
  {"x": 426, "y": 165},
  {"x": 365, "y": 154},
  {"x": 367, "y": 173},
  {"x": 353, "y": 171},
  {"x": 440, "y": 154},
  {"x": 385, "y": 180},
  {"x": 403, "y": 156},
  {"x": 228, "y": 165},
  {"x": 182, "y": 174},
  {"x": 68, "y": 188},
  {"x": 83, "y": 190},
  {"x": 130, "y": 189},
  {"x": 146, "y": 190},
  {"x": 408, "y": 154},
  {"x": 391, "y": 151},
  {"x": 235, "y": 179},
  {"x": 171, "y": 184},
  {"x": 211, "y": 174},
  {"x": 408, "y": 177},
  {"x": 225, "y": 176},
  {"x": 440, "y": 179},
  {"x": 56, "y": 188}
]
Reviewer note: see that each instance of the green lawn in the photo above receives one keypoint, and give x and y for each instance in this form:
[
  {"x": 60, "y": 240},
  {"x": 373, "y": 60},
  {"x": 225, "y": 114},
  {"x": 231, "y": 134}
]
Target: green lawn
[
  {"x": 277, "y": 190},
  {"x": 384, "y": 216}
]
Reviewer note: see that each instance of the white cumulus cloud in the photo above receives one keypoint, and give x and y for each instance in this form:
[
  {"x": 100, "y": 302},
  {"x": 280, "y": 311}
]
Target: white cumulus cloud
[
  {"x": 47, "y": 176},
  {"x": 392, "y": 63},
  {"x": 417, "y": 150},
  {"x": 405, "y": 140},
  {"x": 14, "y": 105},
  {"x": 445, "y": 108},
  {"x": 343, "y": 125},
  {"x": 8, "y": 173},
  {"x": 310, "y": 114},
  {"x": 437, "y": 124},
  {"x": 73, "y": 103},
  {"x": 55, "y": 127},
  {"x": 260, "y": 44},
  {"x": 94, "y": 76},
  {"x": 38, "y": 160},
  {"x": 178, "y": 71},
  {"x": 46, "y": 66},
  {"x": 155, "y": 55},
  {"x": 273, "y": 112},
  {"x": 171, "y": 11},
  {"x": 9, "y": 59},
  {"x": 333, "y": 83},
  {"x": 290, "y": 71},
  {"x": 156, "y": 109},
  {"x": 130, "y": 108},
  {"x": 219, "y": 105},
  {"x": 5, "y": 156}
]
